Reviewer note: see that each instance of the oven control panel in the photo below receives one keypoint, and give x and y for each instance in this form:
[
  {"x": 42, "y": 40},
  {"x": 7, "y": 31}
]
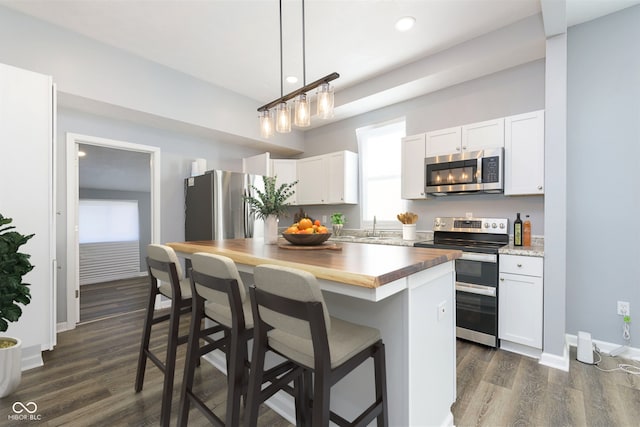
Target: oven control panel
[{"x": 472, "y": 225}]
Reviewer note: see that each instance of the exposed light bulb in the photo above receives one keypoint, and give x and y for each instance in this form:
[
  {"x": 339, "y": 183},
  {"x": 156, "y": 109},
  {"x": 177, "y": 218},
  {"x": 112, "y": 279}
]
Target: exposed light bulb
[
  {"x": 283, "y": 118},
  {"x": 302, "y": 116},
  {"x": 266, "y": 124},
  {"x": 325, "y": 101}
]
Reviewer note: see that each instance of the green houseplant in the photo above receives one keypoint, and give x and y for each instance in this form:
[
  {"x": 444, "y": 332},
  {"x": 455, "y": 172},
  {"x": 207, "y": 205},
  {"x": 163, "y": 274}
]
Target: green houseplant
[
  {"x": 269, "y": 203},
  {"x": 338, "y": 220},
  {"x": 13, "y": 266}
]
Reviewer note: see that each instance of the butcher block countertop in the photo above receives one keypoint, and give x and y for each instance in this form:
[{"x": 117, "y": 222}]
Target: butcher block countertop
[{"x": 366, "y": 265}]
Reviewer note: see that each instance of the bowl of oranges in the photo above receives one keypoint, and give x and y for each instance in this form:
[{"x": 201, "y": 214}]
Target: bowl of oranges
[{"x": 306, "y": 233}]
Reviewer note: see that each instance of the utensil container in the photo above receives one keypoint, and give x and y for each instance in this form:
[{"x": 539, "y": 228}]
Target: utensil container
[{"x": 408, "y": 231}]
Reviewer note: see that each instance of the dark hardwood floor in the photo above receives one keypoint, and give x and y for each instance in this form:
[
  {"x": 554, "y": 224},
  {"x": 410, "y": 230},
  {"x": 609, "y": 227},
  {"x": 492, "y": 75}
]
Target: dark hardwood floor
[
  {"x": 101, "y": 300},
  {"x": 88, "y": 381}
]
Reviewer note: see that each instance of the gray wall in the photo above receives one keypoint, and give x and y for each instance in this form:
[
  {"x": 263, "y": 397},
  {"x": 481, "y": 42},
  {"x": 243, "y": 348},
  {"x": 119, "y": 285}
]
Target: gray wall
[
  {"x": 178, "y": 150},
  {"x": 144, "y": 213},
  {"x": 603, "y": 195},
  {"x": 513, "y": 91}
]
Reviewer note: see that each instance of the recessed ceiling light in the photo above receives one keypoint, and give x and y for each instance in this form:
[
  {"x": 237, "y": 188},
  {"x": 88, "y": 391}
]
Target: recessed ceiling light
[
  {"x": 81, "y": 154},
  {"x": 405, "y": 23},
  {"x": 292, "y": 79}
]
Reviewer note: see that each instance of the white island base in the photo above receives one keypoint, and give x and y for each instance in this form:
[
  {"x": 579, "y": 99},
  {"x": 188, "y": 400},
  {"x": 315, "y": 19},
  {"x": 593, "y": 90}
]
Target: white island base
[{"x": 416, "y": 316}]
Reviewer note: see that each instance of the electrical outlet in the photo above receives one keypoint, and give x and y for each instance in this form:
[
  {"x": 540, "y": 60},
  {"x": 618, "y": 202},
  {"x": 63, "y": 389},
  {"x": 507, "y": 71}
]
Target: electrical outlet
[
  {"x": 623, "y": 308},
  {"x": 324, "y": 219}
]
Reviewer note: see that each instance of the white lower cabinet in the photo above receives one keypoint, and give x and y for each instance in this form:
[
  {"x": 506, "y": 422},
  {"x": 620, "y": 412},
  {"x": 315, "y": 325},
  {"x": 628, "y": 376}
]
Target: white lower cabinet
[{"x": 520, "y": 298}]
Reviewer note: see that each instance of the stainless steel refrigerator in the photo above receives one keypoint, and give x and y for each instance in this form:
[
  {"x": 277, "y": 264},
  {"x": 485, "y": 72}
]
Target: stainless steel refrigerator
[{"x": 215, "y": 208}]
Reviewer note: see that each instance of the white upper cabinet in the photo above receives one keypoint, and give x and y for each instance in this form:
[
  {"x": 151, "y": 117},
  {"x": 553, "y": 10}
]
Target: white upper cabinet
[
  {"x": 478, "y": 136},
  {"x": 412, "y": 176},
  {"x": 444, "y": 141},
  {"x": 285, "y": 171},
  {"x": 524, "y": 154},
  {"x": 328, "y": 179},
  {"x": 259, "y": 164}
]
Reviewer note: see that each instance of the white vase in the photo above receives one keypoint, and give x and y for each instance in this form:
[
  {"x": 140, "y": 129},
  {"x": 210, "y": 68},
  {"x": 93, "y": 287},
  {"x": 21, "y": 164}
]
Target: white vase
[
  {"x": 271, "y": 230},
  {"x": 10, "y": 367},
  {"x": 337, "y": 229},
  {"x": 408, "y": 232}
]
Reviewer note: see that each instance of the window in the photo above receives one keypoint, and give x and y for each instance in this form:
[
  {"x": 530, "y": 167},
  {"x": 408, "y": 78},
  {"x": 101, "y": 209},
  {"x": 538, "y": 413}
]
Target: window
[
  {"x": 380, "y": 162},
  {"x": 107, "y": 221}
]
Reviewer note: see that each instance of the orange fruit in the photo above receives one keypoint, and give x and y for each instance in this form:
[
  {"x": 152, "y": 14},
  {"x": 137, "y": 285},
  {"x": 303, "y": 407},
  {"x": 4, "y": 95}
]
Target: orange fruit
[
  {"x": 291, "y": 230},
  {"x": 306, "y": 231},
  {"x": 322, "y": 229},
  {"x": 317, "y": 222},
  {"x": 304, "y": 223}
]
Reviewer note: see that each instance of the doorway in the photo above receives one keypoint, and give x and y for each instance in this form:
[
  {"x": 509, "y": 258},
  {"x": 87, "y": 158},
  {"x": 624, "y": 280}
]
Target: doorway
[{"x": 101, "y": 175}]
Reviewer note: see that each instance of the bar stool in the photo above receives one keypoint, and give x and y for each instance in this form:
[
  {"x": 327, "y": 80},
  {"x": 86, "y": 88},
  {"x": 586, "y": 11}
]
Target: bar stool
[
  {"x": 291, "y": 319},
  {"x": 163, "y": 265},
  {"x": 219, "y": 295}
]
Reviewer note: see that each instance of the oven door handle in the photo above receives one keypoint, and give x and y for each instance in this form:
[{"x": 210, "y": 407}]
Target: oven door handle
[
  {"x": 472, "y": 256},
  {"x": 476, "y": 289}
]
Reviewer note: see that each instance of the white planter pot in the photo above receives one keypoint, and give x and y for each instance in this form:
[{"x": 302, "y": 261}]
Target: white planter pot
[
  {"x": 10, "y": 367},
  {"x": 337, "y": 229},
  {"x": 271, "y": 230}
]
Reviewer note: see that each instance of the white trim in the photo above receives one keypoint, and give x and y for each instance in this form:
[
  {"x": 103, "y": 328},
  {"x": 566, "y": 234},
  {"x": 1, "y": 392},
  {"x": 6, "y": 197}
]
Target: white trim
[
  {"x": 555, "y": 361},
  {"x": 73, "y": 139},
  {"x": 606, "y": 347}
]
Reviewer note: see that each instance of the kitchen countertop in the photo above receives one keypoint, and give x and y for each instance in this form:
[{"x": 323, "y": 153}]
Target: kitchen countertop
[
  {"x": 366, "y": 265},
  {"x": 535, "y": 250}
]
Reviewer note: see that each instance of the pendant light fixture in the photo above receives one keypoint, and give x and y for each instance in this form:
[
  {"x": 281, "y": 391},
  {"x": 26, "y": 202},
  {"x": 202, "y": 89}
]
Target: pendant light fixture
[{"x": 301, "y": 103}]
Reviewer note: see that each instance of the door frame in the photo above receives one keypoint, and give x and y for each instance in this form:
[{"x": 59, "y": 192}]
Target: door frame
[{"x": 73, "y": 263}]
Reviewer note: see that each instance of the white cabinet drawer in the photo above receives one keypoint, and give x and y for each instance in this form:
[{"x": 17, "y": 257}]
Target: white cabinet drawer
[{"x": 525, "y": 265}]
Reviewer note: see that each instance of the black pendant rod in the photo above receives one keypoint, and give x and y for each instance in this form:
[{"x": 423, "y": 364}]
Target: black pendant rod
[
  {"x": 305, "y": 89},
  {"x": 304, "y": 56},
  {"x": 281, "y": 68}
]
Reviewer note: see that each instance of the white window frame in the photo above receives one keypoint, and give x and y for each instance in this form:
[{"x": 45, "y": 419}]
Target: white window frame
[{"x": 362, "y": 134}]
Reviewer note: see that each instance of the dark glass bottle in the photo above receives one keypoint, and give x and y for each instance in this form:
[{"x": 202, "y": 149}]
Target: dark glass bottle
[{"x": 517, "y": 231}]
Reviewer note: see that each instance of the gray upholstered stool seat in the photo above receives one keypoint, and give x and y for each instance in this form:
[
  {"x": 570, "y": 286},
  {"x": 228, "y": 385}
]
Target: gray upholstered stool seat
[
  {"x": 185, "y": 288},
  {"x": 165, "y": 278},
  {"x": 345, "y": 339},
  {"x": 221, "y": 313},
  {"x": 292, "y": 320},
  {"x": 219, "y": 295}
]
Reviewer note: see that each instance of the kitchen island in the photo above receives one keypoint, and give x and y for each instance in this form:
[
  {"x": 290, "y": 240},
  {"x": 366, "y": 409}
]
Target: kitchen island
[{"x": 408, "y": 293}]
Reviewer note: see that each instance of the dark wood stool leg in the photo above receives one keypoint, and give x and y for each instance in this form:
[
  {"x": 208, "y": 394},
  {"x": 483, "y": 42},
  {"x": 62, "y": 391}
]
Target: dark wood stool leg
[
  {"x": 255, "y": 381},
  {"x": 170, "y": 364},
  {"x": 193, "y": 357},
  {"x": 236, "y": 355},
  {"x": 321, "y": 398},
  {"x": 146, "y": 334},
  {"x": 381, "y": 383}
]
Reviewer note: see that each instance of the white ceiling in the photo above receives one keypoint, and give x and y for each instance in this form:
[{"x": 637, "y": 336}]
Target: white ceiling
[{"x": 235, "y": 43}]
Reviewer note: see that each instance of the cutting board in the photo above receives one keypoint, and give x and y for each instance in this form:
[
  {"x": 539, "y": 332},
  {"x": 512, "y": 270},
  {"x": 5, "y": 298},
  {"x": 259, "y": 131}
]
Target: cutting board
[{"x": 325, "y": 245}]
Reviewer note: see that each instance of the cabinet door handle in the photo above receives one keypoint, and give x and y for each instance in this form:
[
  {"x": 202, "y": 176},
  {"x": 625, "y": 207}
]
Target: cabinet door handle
[
  {"x": 519, "y": 265},
  {"x": 464, "y": 147},
  {"x": 539, "y": 187},
  {"x": 457, "y": 148},
  {"x": 502, "y": 279}
]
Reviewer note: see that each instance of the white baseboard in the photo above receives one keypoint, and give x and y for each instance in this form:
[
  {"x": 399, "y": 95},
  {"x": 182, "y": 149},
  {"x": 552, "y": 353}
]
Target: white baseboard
[
  {"x": 63, "y": 326},
  {"x": 606, "y": 347},
  {"x": 31, "y": 357},
  {"x": 555, "y": 361}
]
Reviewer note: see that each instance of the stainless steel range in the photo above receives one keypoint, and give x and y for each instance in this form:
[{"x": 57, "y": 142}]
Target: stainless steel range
[{"x": 477, "y": 291}]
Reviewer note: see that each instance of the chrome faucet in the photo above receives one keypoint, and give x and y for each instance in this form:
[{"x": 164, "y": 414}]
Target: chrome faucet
[{"x": 373, "y": 234}]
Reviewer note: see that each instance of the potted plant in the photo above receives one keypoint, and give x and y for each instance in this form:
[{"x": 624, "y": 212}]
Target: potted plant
[
  {"x": 270, "y": 203},
  {"x": 338, "y": 220},
  {"x": 13, "y": 266}
]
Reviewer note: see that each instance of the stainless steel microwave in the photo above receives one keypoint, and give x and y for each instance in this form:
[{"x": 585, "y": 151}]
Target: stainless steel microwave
[{"x": 467, "y": 172}]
